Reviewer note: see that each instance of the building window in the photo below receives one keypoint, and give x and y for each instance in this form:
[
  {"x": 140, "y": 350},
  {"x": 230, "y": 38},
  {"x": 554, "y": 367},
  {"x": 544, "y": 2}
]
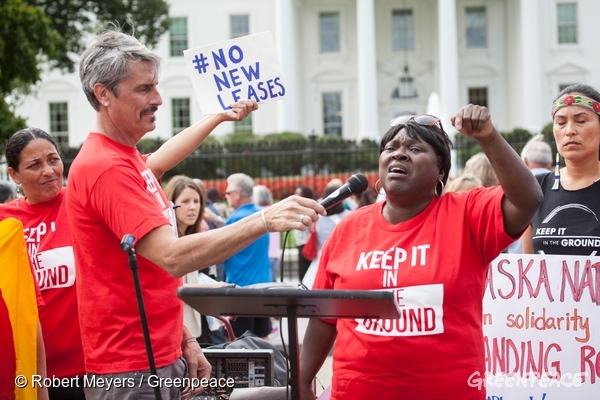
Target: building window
[
  {"x": 244, "y": 126},
  {"x": 475, "y": 21},
  {"x": 567, "y": 22},
  {"x": 181, "y": 114},
  {"x": 406, "y": 86},
  {"x": 239, "y": 25},
  {"x": 178, "y": 36},
  {"x": 329, "y": 23},
  {"x": 402, "y": 30},
  {"x": 59, "y": 123},
  {"x": 332, "y": 114},
  {"x": 478, "y": 96}
]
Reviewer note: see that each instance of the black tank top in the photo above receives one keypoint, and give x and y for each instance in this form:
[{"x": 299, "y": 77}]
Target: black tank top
[{"x": 568, "y": 221}]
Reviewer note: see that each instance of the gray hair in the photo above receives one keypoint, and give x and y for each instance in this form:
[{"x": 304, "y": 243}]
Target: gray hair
[
  {"x": 243, "y": 183},
  {"x": 261, "y": 196},
  {"x": 8, "y": 190},
  {"x": 106, "y": 61},
  {"x": 537, "y": 151}
]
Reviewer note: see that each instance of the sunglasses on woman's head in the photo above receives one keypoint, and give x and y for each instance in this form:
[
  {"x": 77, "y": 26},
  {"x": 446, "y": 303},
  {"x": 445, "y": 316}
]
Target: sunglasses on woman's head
[{"x": 421, "y": 119}]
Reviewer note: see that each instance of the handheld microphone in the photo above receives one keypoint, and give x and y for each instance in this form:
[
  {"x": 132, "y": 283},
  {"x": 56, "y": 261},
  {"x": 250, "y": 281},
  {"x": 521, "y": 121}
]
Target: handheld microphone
[{"x": 356, "y": 184}]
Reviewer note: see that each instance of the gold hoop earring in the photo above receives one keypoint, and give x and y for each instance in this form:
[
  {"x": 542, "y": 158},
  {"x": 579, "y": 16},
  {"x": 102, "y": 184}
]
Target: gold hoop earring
[
  {"x": 379, "y": 190},
  {"x": 435, "y": 192}
]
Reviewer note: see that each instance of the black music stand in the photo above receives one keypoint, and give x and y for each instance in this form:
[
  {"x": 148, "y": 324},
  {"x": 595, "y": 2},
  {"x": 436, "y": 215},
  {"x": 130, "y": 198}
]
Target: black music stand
[{"x": 291, "y": 303}]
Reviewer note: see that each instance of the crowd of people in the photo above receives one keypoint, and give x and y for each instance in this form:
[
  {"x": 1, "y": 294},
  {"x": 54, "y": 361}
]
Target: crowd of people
[
  {"x": 93, "y": 322},
  {"x": 440, "y": 234}
]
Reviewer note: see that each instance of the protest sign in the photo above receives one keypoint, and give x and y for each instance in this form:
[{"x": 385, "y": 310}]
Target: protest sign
[
  {"x": 244, "y": 68},
  {"x": 541, "y": 328}
]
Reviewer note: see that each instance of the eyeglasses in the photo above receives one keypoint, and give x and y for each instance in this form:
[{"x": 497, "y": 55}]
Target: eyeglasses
[
  {"x": 421, "y": 119},
  {"x": 228, "y": 193}
]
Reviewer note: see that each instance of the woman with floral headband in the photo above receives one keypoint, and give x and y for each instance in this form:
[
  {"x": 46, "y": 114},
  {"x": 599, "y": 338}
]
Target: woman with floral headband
[
  {"x": 433, "y": 251},
  {"x": 568, "y": 221}
]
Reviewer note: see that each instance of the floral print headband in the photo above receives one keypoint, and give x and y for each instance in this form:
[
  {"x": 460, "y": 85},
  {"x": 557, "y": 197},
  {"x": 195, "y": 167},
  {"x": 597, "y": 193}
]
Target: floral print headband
[{"x": 575, "y": 100}]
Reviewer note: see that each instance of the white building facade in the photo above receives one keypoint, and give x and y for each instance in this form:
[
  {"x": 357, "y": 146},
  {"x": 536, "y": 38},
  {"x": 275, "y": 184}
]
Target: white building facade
[{"x": 349, "y": 66}]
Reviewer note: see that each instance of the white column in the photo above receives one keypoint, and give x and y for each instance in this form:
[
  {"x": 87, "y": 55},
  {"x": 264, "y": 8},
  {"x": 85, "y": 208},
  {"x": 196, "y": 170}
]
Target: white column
[
  {"x": 289, "y": 110},
  {"x": 368, "y": 110},
  {"x": 531, "y": 67},
  {"x": 448, "y": 68}
]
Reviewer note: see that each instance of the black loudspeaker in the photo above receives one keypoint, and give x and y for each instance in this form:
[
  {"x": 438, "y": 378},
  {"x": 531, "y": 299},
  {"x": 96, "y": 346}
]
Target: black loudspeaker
[{"x": 235, "y": 368}]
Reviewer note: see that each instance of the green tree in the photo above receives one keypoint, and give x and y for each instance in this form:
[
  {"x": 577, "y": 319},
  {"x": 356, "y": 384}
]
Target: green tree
[
  {"x": 50, "y": 33},
  {"x": 26, "y": 38},
  {"x": 72, "y": 19}
]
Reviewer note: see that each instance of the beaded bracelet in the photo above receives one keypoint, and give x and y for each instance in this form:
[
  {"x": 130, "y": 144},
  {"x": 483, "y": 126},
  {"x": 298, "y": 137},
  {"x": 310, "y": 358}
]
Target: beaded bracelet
[{"x": 264, "y": 219}]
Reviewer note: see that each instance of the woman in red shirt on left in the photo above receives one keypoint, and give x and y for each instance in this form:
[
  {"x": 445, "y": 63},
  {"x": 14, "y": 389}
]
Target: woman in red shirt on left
[{"x": 34, "y": 162}]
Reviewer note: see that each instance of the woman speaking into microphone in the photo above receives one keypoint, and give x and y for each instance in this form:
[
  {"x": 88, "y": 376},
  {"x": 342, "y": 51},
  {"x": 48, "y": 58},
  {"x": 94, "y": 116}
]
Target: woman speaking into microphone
[{"x": 431, "y": 249}]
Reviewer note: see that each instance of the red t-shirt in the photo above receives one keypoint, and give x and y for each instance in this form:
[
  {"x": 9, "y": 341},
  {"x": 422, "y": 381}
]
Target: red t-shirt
[
  {"x": 436, "y": 265},
  {"x": 50, "y": 250},
  {"x": 112, "y": 193}
]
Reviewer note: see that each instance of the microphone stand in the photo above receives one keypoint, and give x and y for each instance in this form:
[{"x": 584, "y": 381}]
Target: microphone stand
[{"x": 127, "y": 246}]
